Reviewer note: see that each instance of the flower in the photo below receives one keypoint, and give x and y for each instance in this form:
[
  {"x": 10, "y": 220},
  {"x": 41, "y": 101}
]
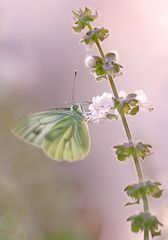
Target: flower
[
  {"x": 98, "y": 33},
  {"x": 109, "y": 61},
  {"x": 83, "y": 17},
  {"x": 101, "y": 106},
  {"x": 90, "y": 61},
  {"x": 101, "y": 67},
  {"x": 140, "y": 96},
  {"x": 122, "y": 94},
  {"x": 143, "y": 100}
]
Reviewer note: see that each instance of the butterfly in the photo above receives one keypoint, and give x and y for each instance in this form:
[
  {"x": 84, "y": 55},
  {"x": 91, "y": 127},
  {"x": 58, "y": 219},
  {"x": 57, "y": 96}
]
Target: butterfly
[{"x": 62, "y": 133}]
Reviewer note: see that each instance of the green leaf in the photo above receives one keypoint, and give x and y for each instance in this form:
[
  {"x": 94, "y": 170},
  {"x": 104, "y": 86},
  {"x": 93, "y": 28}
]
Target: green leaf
[
  {"x": 145, "y": 222},
  {"x": 102, "y": 34},
  {"x": 126, "y": 108},
  {"x": 116, "y": 68},
  {"x": 99, "y": 70},
  {"x": 124, "y": 151},
  {"x": 87, "y": 12},
  {"x": 134, "y": 110},
  {"x": 111, "y": 116},
  {"x": 101, "y": 77},
  {"x": 77, "y": 29},
  {"x": 143, "y": 150},
  {"x": 132, "y": 203},
  {"x": 133, "y": 102}
]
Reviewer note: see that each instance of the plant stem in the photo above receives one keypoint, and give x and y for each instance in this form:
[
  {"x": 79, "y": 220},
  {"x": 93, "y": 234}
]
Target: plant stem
[
  {"x": 128, "y": 134},
  {"x": 146, "y": 234}
]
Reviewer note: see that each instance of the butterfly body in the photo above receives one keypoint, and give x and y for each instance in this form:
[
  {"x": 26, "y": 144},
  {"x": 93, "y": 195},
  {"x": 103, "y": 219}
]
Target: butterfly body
[{"x": 62, "y": 133}]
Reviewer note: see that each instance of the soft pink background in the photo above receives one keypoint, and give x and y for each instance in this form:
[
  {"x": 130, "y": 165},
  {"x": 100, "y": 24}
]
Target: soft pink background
[{"x": 38, "y": 55}]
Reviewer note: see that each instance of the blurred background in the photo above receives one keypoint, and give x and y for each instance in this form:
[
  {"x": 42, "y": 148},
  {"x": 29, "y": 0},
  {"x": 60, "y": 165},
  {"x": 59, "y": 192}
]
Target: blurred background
[{"x": 44, "y": 200}]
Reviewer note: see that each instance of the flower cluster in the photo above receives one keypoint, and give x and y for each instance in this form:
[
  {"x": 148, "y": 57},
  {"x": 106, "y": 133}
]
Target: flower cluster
[
  {"x": 82, "y": 18},
  {"x": 102, "y": 107},
  {"x": 126, "y": 150},
  {"x": 145, "y": 221},
  {"x": 107, "y": 107},
  {"x": 139, "y": 96},
  {"x": 92, "y": 36},
  {"x": 101, "y": 67},
  {"x": 138, "y": 190}
]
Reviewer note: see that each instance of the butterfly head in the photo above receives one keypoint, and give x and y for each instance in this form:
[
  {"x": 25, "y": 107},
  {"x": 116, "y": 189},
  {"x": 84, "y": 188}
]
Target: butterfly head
[{"x": 77, "y": 110}]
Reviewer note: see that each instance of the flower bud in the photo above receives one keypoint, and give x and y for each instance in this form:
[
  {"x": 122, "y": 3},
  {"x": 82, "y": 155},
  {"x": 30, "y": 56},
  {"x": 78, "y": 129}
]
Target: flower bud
[{"x": 90, "y": 61}]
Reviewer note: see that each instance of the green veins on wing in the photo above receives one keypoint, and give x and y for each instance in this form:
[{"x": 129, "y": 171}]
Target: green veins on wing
[{"x": 61, "y": 133}]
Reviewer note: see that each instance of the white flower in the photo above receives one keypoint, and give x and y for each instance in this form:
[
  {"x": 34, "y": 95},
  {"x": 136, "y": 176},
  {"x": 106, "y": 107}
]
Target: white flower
[
  {"x": 101, "y": 106},
  {"x": 143, "y": 100},
  {"x": 141, "y": 97},
  {"x": 122, "y": 94}
]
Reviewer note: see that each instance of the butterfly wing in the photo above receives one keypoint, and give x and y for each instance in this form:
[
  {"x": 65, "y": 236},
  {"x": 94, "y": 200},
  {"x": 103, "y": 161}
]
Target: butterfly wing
[
  {"x": 59, "y": 133},
  {"x": 68, "y": 140},
  {"x": 35, "y": 127}
]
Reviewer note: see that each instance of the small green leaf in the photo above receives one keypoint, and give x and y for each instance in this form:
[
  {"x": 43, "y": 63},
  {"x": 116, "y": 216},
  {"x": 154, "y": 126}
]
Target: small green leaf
[
  {"x": 117, "y": 67},
  {"x": 77, "y": 29},
  {"x": 132, "y": 203},
  {"x": 124, "y": 151},
  {"x": 87, "y": 12},
  {"x": 133, "y": 102},
  {"x": 134, "y": 111},
  {"x": 99, "y": 70},
  {"x": 111, "y": 116},
  {"x": 126, "y": 108},
  {"x": 100, "y": 78},
  {"x": 143, "y": 150},
  {"x": 102, "y": 34}
]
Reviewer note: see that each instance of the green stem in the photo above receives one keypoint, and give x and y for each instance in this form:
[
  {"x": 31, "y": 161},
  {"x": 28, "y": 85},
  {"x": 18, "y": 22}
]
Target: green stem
[
  {"x": 146, "y": 234},
  {"x": 128, "y": 134},
  {"x": 97, "y": 43}
]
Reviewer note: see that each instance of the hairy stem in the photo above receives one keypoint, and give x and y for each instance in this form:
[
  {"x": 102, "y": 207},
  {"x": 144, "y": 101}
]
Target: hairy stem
[{"x": 128, "y": 134}]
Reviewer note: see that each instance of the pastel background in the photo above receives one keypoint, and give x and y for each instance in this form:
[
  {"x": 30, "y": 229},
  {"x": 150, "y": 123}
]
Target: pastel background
[{"x": 44, "y": 200}]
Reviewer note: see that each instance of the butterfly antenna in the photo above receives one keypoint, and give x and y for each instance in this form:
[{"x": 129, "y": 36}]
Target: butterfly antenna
[{"x": 73, "y": 88}]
